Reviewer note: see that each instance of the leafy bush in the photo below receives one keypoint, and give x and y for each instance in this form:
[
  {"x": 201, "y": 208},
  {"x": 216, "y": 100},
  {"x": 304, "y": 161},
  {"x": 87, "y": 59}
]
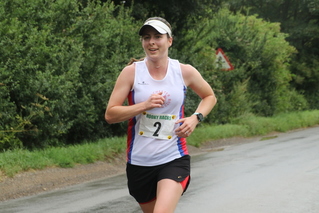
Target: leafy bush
[
  {"x": 59, "y": 62},
  {"x": 261, "y": 56},
  {"x": 9, "y": 125}
]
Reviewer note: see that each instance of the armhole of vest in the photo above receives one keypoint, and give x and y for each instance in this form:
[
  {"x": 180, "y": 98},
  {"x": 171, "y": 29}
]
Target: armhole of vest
[
  {"x": 135, "y": 65},
  {"x": 181, "y": 73}
]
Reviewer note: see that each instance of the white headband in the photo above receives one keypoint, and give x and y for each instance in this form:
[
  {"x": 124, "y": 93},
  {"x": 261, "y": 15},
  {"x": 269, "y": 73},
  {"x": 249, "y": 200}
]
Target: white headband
[{"x": 161, "y": 27}]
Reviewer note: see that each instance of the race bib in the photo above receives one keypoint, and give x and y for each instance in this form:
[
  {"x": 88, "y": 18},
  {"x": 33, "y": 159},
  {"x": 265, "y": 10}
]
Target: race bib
[{"x": 157, "y": 126}]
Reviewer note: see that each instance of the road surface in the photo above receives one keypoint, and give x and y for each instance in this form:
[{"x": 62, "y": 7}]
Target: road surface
[{"x": 279, "y": 175}]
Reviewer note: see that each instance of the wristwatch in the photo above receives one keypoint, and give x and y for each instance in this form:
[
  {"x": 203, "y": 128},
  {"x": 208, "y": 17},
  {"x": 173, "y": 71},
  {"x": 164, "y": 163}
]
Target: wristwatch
[{"x": 200, "y": 116}]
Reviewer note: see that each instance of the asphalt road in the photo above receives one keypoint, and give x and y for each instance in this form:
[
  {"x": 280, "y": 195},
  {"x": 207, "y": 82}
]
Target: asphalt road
[{"x": 279, "y": 175}]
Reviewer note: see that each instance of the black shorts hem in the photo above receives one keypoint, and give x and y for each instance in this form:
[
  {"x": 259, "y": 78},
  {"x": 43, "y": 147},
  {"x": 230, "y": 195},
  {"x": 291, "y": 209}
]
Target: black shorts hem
[{"x": 142, "y": 181}]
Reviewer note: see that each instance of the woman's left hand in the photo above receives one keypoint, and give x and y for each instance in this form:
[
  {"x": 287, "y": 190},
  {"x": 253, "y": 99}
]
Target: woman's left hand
[{"x": 187, "y": 127}]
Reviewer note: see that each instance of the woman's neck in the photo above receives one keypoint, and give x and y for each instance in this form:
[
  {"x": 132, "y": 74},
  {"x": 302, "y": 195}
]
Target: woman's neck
[
  {"x": 157, "y": 64},
  {"x": 157, "y": 69}
]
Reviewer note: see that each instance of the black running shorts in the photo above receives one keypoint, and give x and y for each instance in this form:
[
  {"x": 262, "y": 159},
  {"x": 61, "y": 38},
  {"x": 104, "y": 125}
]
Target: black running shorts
[{"x": 142, "y": 180}]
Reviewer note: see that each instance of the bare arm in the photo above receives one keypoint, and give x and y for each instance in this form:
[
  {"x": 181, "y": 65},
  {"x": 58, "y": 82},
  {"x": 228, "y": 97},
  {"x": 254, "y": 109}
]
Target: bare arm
[
  {"x": 115, "y": 111},
  {"x": 195, "y": 81}
]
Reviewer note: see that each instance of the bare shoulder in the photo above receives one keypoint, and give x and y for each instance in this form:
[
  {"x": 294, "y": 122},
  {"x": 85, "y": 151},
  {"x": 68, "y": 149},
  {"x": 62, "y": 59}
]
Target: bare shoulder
[
  {"x": 125, "y": 80},
  {"x": 190, "y": 73},
  {"x": 187, "y": 68},
  {"x": 130, "y": 69},
  {"x": 128, "y": 73}
]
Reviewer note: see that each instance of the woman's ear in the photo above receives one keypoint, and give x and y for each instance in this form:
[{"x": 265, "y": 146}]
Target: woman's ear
[{"x": 170, "y": 40}]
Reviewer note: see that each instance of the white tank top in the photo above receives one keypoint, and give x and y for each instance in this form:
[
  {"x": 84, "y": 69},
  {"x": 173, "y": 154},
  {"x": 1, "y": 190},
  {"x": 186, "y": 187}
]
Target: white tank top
[{"x": 151, "y": 138}]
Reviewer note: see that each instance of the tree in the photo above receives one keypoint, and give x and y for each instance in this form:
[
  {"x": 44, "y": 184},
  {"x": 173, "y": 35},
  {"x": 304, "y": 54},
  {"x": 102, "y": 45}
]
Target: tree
[
  {"x": 181, "y": 14},
  {"x": 59, "y": 61},
  {"x": 261, "y": 56},
  {"x": 299, "y": 19}
]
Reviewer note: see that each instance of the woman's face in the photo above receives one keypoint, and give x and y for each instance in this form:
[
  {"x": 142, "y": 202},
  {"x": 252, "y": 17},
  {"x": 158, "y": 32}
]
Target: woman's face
[{"x": 155, "y": 44}]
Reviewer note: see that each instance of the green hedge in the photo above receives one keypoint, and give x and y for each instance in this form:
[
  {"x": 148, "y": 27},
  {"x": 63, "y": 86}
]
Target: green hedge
[
  {"x": 60, "y": 59},
  {"x": 261, "y": 56}
]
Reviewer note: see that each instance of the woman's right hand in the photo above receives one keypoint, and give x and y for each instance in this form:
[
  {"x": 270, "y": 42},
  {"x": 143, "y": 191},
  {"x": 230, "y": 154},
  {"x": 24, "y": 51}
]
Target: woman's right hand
[{"x": 155, "y": 101}]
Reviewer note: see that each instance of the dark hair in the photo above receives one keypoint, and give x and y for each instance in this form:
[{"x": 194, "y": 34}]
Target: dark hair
[{"x": 132, "y": 60}]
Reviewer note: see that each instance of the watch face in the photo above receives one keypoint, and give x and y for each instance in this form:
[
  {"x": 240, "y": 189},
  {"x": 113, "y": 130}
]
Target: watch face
[{"x": 200, "y": 117}]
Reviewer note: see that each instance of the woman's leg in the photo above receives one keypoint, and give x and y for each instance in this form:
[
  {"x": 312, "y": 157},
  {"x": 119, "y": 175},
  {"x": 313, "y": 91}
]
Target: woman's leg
[
  {"x": 148, "y": 207},
  {"x": 168, "y": 195}
]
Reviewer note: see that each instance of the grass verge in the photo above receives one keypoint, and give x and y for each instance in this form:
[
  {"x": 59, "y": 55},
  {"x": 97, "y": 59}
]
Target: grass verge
[{"x": 15, "y": 161}]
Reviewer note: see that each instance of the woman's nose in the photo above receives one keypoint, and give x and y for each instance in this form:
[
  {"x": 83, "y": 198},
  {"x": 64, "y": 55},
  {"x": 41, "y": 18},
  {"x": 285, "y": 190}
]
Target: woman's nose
[{"x": 152, "y": 41}]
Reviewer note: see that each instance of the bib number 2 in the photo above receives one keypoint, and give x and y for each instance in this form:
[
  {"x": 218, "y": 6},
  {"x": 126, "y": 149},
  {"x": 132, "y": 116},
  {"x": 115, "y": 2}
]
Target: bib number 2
[{"x": 159, "y": 126}]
